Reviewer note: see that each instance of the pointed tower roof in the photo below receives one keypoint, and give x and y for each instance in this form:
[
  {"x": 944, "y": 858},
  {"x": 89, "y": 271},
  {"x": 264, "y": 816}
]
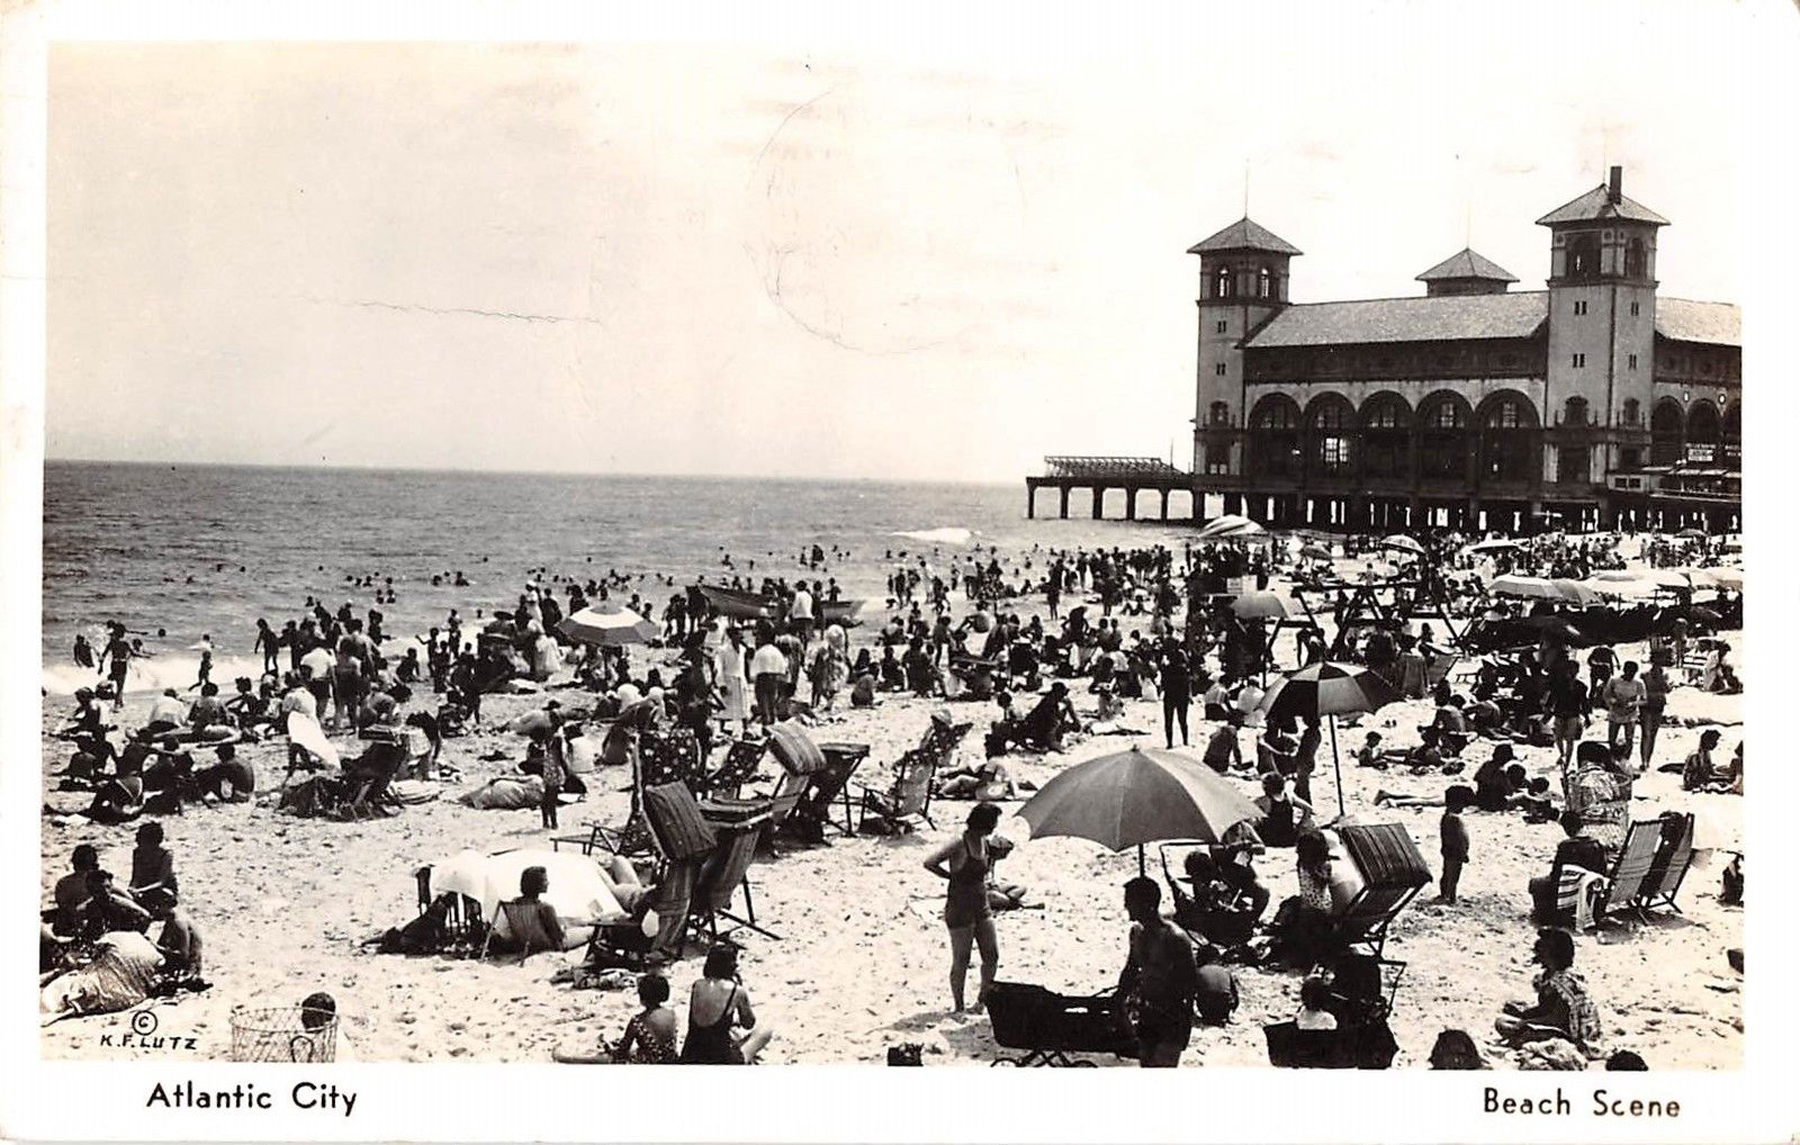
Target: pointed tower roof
[
  {"x": 1602, "y": 203},
  {"x": 1466, "y": 263},
  {"x": 1244, "y": 235}
]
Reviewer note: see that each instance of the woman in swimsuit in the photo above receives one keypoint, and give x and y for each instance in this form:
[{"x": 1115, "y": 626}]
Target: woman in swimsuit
[
  {"x": 649, "y": 1037},
  {"x": 964, "y": 862},
  {"x": 717, "y": 1002}
]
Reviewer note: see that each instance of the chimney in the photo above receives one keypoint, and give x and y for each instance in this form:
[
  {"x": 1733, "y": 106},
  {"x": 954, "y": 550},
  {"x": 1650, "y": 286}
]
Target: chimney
[{"x": 1615, "y": 177}]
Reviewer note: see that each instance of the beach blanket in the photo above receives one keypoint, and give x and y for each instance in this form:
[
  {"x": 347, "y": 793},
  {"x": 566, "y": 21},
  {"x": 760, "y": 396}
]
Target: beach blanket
[
  {"x": 505, "y": 793},
  {"x": 119, "y": 978}
]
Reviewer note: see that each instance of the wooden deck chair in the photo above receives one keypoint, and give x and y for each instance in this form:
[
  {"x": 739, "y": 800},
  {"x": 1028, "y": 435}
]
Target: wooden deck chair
[
  {"x": 1393, "y": 873},
  {"x": 726, "y": 870},
  {"x": 906, "y": 798},
  {"x": 1625, "y": 883}
]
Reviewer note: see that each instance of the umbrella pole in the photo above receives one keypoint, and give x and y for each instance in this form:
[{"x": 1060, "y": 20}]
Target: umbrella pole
[
  {"x": 1337, "y": 765},
  {"x": 1140, "y": 860}
]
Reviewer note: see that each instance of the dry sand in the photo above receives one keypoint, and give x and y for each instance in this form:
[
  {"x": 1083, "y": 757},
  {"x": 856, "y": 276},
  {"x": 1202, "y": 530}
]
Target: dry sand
[{"x": 283, "y": 904}]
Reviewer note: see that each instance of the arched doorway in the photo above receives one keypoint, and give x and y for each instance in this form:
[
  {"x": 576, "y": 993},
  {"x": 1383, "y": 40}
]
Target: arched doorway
[
  {"x": 1330, "y": 438},
  {"x": 1387, "y": 424},
  {"x": 1509, "y": 439},
  {"x": 1275, "y": 437},
  {"x": 1703, "y": 432},
  {"x": 1668, "y": 427},
  {"x": 1444, "y": 425}
]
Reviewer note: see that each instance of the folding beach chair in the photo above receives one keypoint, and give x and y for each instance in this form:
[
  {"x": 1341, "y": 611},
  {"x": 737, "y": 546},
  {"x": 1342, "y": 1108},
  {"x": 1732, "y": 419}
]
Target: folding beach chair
[
  {"x": 724, "y": 871},
  {"x": 828, "y": 787},
  {"x": 521, "y": 927},
  {"x": 1630, "y": 878},
  {"x": 907, "y": 797},
  {"x": 742, "y": 759},
  {"x": 1670, "y": 865},
  {"x": 1393, "y": 873}
]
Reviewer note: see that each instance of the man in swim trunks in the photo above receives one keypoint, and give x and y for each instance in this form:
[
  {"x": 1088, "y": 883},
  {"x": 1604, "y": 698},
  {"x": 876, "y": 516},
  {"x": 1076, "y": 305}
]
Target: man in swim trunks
[{"x": 1158, "y": 983}]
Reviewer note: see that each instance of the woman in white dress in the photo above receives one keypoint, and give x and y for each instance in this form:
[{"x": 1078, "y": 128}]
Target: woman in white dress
[{"x": 733, "y": 688}]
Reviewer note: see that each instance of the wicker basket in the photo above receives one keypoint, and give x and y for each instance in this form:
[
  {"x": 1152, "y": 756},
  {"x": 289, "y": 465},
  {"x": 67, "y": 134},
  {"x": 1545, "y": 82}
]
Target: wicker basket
[{"x": 278, "y": 1035}]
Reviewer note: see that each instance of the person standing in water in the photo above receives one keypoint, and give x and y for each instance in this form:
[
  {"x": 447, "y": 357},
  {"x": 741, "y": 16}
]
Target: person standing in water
[{"x": 84, "y": 652}]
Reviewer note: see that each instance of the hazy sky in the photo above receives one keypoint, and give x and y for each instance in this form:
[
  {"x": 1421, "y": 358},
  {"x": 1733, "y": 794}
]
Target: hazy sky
[{"x": 916, "y": 259}]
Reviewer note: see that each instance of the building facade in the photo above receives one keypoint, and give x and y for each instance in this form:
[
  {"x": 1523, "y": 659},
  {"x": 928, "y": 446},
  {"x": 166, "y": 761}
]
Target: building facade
[{"x": 1592, "y": 401}]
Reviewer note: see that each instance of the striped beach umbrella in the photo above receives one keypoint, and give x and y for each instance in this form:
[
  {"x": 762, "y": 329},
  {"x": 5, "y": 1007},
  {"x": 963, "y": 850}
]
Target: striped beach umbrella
[
  {"x": 607, "y": 624},
  {"x": 1130, "y": 798},
  {"x": 1326, "y": 690},
  {"x": 1230, "y": 527}
]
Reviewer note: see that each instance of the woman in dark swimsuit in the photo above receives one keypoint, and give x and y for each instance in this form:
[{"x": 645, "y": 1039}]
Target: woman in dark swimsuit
[
  {"x": 716, "y": 1003},
  {"x": 965, "y": 862}
]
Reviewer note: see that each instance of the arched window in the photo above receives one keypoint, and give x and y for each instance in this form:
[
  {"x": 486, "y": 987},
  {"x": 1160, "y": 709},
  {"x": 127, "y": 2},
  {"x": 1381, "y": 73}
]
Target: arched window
[
  {"x": 1443, "y": 438},
  {"x": 1275, "y": 437},
  {"x": 1222, "y": 282},
  {"x": 1264, "y": 283},
  {"x": 1387, "y": 437},
  {"x": 1584, "y": 257},
  {"x": 1702, "y": 432},
  {"x": 1572, "y": 464},
  {"x": 1330, "y": 449},
  {"x": 1667, "y": 428},
  {"x": 1634, "y": 258},
  {"x": 1507, "y": 446},
  {"x": 1632, "y": 413},
  {"x": 1575, "y": 412},
  {"x": 1218, "y": 414}
]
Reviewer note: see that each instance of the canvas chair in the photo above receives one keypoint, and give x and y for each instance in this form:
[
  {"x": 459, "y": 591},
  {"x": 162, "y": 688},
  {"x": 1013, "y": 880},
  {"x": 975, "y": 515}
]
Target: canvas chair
[
  {"x": 907, "y": 798},
  {"x": 1228, "y": 924},
  {"x": 522, "y": 925},
  {"x": 1393, "y": 873},
  {"x": 742, "y": 759},
  {"x": 1666, "y": 873},
  {"x": 462, "y": 917},
  {"x": 725, "y": 870},
  {"x": 1635, "y": 876},
  {"x": 830, "y": 785}
]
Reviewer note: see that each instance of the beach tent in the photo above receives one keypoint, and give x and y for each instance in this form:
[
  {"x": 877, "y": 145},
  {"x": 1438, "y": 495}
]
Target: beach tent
[
  {"x": 579, "y": 890},
  {"x": 1231, "y": 527}
]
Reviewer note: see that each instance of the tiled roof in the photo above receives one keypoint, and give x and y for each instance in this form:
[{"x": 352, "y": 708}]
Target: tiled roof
[
  {"x": 1440, "y": 319},
  {"x": 1596, "y": 204},
  {"x": 1244, "y": 235},
  {"x": 1467, "y": 264},
  {"x": 1685, "y": 321}
]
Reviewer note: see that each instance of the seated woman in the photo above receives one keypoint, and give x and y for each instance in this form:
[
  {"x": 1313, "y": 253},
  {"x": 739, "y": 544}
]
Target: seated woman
[
  {"x": 1285, "y": 814},
  {"x": 989, "y": 781},
  {"x": 71, "y": 890},
  {"x": 231, "y": 780},
  {"x": 718, "y": 1005},
  {"x": 1302, "y": 924},
  {"x": 1492, "y": 787},
  {"x": 533, "y": 923},
  {"x": 1044, "y": 727},
  {"x": 117, "y": 800},
  {"x": 1577, "y": 850},
  {"x": 1563, "y": 1008},
  {"x": 152, "y": 866},
  {"x": 1701, "y": 773},
  {"x": 650, "y": 1034}
]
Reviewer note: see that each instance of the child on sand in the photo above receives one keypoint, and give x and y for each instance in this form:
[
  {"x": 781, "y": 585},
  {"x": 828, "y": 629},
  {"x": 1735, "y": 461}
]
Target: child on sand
[{"x": 1453, "y": 836}]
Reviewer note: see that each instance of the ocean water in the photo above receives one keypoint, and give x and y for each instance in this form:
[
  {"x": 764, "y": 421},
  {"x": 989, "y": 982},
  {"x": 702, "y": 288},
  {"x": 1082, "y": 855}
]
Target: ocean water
[{"x": 205, "y": 550}]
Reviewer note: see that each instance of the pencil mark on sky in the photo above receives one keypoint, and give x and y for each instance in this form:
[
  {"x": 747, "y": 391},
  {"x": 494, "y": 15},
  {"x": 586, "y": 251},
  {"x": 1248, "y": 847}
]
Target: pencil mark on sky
[
  {"x": 772, "y": 287},
  {"x": 779, "y": 128},
  {"x": 416, "y": 308}
]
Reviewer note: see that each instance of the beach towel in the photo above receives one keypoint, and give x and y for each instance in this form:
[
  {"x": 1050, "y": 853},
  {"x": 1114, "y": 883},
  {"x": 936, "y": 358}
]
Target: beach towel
[
  {"x": 1580, "y": 892},
  {"x": 505, "y": 793},
  {"x": 119, "y": 978},
  {"x": 304, "y": 731}
]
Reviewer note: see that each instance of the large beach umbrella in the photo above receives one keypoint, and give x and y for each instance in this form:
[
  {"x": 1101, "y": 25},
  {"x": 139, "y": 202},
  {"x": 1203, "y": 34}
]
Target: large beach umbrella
[
  {"x": 1230, "y": 527},
  {"x": 1261, "y": 605},
  {"x": 1574, "y": 592},
  {"x": 1130, "y": 798},
  {"x": 1493, "y": 546},
  {"x": 1316, "y": 552},
  {"x": 1403, "y": 543},
  {"x": 608, "y": 624},
  {"x": 1327, "y": 690},
  {"x": 1732, "y": 579}
]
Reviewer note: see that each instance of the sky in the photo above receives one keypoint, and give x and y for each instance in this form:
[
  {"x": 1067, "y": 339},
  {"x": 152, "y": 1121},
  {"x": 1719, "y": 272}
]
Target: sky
[{"x": 803, "y": 253}]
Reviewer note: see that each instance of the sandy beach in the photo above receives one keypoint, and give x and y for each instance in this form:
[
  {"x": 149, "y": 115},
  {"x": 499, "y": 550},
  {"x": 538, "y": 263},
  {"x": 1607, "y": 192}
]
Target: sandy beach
[{"x": 284, "y": 904}]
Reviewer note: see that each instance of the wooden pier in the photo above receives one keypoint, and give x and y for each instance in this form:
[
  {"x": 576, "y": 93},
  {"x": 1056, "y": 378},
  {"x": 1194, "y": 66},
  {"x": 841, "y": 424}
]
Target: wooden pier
[{"x": 1098, "y": 474}]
